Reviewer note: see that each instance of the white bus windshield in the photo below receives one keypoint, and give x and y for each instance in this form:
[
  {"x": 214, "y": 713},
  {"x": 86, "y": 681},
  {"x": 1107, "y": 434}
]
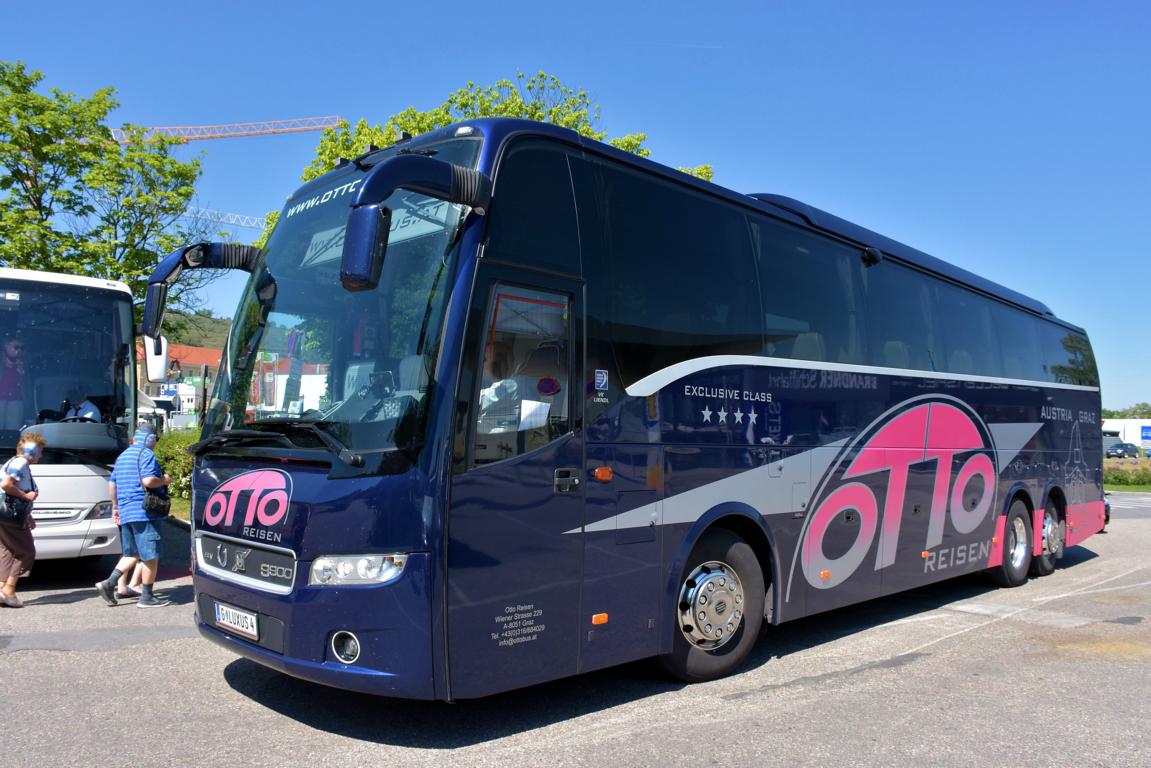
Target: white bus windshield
[{"x": 65, "y": 353}]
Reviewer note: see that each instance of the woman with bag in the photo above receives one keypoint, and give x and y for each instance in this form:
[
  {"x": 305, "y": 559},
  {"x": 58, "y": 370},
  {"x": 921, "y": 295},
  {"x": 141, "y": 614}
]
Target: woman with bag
[{"x": 17, "y": 549}]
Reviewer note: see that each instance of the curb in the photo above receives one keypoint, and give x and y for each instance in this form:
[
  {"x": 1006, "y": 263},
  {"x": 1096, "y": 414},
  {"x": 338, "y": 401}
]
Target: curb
[{"x": 185, "y": 524}]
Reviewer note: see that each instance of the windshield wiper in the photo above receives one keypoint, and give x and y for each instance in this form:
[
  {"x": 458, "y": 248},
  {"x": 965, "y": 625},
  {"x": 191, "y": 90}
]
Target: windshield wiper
[
  {"x": 349, "y": 457},
  {"x": 237, "y": 436}
]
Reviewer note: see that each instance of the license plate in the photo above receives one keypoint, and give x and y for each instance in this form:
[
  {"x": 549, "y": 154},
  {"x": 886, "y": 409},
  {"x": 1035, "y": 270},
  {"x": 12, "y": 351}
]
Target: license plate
[{"x": 240, "y": 622}]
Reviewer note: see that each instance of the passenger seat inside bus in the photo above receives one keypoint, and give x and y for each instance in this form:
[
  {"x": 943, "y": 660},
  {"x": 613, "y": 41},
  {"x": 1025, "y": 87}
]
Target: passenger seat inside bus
[
  {"x": 960, "y": 361},
  {"x": 808, "y": 346},
  {"x": 409, "y": 374},
  {"x": 896, "y": 354}
]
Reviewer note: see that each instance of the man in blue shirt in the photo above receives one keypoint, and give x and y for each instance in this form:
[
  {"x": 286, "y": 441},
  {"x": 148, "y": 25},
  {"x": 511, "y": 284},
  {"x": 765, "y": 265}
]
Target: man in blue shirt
[{"x": 136, "y": 469}]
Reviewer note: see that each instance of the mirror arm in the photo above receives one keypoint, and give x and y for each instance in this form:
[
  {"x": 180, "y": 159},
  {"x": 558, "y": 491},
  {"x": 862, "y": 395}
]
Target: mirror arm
[
  {"x": 426, "y": 176},
  {"x": 197, "y": 256}
]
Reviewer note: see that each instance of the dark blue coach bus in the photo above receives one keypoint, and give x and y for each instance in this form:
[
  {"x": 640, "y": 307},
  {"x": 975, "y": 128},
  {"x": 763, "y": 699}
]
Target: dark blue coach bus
[{"x": 502, "y": 404}]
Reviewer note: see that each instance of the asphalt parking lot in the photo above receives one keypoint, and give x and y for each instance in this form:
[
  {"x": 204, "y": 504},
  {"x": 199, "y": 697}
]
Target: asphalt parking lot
[{"x": 1056, "y": 672}]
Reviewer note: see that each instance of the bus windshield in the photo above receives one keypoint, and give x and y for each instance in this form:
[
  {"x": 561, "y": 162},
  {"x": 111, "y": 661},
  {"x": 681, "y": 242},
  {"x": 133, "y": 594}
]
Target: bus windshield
[
  {"x": 66, "y": 355},
  {"x": 356, "y": 366}
]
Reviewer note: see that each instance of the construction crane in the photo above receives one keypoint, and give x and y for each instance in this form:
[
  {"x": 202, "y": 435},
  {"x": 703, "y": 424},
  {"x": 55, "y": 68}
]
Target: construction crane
[
  {"x": 223, "y": 217},
  {"x": 234, "y": 130}
]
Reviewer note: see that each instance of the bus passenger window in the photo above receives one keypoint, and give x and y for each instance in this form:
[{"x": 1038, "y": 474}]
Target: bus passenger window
[{"x": 523, "y": 392}]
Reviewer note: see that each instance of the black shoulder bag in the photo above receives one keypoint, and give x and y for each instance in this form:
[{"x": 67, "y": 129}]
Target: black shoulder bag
[
  {"x": 14, "y": 510},
  {"x": 155, "y": 504}
]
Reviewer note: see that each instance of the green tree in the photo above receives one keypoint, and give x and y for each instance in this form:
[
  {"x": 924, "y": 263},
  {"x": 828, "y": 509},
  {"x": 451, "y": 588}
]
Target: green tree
[
  {"x": 1137, "y": 411},
  {"x": 73, "y": 200},
  {"x": 539, "y": 97}
]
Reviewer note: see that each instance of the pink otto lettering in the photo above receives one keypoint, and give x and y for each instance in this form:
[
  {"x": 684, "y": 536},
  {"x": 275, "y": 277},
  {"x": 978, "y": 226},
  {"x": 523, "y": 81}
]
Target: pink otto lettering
[
  {"x": 929, "y": 432},
  {"x": 265, "y": 494}
]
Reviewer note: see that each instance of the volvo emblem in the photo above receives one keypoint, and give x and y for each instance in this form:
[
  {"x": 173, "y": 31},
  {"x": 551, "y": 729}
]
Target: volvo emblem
[{"x": 241, "y": 556}]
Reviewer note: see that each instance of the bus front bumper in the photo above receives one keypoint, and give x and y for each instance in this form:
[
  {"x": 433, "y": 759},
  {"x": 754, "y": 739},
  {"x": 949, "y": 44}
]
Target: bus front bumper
[{"x": 293, "y": 633}]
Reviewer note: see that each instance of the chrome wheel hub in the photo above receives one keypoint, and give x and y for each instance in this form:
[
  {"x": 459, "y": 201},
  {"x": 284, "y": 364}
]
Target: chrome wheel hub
[
  {"x": 1017, "y": 544},
  {"x": 1052, "y": 534},
  {"x": 711, "y": 605}
]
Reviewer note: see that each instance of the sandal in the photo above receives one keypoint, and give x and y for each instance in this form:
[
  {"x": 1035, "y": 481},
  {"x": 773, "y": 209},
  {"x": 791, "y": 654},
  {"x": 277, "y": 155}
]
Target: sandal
[{"x": 127, "y": 593}]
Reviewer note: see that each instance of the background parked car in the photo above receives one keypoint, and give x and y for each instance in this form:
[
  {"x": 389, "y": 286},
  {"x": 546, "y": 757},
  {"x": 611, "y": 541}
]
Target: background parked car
[{"x": 1123, "y": 451}]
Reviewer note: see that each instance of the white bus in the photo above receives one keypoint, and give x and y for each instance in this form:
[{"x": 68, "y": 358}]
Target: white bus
[{"x": 67, "y": 371}]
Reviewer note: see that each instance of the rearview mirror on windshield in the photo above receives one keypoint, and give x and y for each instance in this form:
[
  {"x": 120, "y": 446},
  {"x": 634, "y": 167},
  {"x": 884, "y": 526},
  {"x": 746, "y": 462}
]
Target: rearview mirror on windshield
[{"x": 366, "y": 238}]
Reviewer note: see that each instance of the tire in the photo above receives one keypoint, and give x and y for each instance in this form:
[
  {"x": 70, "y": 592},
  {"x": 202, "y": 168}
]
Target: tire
[
  {"x": 1054, "y": 537},
  {"x": 1016, "y": 544},
  {"x": 709, "y": 650}
]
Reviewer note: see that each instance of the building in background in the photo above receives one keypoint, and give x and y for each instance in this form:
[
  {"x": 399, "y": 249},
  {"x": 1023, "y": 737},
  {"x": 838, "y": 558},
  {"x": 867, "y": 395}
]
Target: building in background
[{"x": 1137, "y": 431}]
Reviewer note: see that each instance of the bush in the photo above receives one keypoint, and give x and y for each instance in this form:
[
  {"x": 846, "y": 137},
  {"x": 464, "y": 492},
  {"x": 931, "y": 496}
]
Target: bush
[
  {"x": 172, "y": 452},
  {"x": 1126, "y": 472}
]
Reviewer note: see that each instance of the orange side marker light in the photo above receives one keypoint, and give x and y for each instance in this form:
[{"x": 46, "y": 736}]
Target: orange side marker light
[
  {"x": 924, "y": 554},
  {"x": 599, "y": 618},
  {"x": 824, "y": 575},
  {"x": 603, "y": 474}
]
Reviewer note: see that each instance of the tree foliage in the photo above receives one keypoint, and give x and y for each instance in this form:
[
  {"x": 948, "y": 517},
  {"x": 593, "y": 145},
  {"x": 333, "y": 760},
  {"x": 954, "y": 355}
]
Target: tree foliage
[
  {"x": 73, "y": 200},
  {"x": 540, "y": 97},
  {"x": 1137, "y": 411}
]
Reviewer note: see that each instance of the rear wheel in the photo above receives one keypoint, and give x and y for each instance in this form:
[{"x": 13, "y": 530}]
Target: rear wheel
[
  {"x": 719, "y": 610},
  {"x": 1054, "y": 533},
  {"x": 1016, "y": 545}
]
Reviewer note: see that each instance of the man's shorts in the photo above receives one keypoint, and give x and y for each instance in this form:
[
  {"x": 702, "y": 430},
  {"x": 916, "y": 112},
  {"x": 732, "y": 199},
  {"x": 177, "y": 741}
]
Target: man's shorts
[{"x": 140, "y": 540}]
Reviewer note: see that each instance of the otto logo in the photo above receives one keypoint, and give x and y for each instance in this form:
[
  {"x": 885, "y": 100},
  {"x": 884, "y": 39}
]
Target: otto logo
[
  {"x": 261, "y": 496},
  {"x": 945, "y": 433}
]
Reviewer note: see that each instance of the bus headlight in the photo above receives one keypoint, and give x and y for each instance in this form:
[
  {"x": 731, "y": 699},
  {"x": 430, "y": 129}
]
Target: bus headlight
[
  {"x": 100, "y": 511},
  {"x": 342, "y": 570}
]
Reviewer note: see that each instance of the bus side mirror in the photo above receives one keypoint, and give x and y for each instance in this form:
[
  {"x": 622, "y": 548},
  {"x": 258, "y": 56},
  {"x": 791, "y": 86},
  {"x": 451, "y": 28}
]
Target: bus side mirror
[
  {"x": 156, "y": 358},
  {"x": 365, "y": 242},
  {"x": 366, "y": 238},
  {"x": 198, "y": 256},
  {"x": 154, "y": 299}
]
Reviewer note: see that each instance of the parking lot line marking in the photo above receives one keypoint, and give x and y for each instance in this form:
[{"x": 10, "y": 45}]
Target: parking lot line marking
[
  {"x": 915, "y": 619},
  {"x": 1044, "y": 618},
  {"x": 1016, "y": 612},
  {"x": 1084, "y": 588},
  {"x": 1099, "y": 591}
]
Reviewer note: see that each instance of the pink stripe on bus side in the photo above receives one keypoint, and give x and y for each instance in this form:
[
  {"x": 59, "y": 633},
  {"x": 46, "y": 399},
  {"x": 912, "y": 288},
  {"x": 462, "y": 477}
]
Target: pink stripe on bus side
[
  {"x": 1037, "y": 532},
  {"x": 997, "y": 542},
  {"x": 1083, "y": 520}
]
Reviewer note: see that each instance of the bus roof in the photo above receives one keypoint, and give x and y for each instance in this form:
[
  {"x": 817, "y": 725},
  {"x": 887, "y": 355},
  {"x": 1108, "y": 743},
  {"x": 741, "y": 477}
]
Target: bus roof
[
  {"x": 496, "y": 130},
  {"x": 57, "y": 278},
  {"x": 842, "y": 227}
]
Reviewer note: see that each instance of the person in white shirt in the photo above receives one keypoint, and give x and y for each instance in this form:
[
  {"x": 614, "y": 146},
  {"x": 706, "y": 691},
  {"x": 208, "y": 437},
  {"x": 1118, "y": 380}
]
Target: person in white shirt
[{"x": 84, "y": 409}]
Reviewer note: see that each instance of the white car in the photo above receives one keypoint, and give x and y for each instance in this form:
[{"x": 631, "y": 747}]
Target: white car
[{"x": 68, "y": 522}]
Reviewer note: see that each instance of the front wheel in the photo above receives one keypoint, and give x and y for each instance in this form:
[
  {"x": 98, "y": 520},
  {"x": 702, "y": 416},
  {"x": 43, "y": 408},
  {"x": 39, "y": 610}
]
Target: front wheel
[
  {"x": 719, "y": 610},
  {"x": 1012, "y": 572}
]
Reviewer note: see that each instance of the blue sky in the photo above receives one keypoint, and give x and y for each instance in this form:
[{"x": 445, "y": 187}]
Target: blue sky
[{"x": 1013, "y": 139}]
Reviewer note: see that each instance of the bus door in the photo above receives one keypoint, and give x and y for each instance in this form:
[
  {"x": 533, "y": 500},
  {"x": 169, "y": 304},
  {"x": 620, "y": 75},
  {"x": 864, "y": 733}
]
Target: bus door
[{"x": 515, "y": 541}]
